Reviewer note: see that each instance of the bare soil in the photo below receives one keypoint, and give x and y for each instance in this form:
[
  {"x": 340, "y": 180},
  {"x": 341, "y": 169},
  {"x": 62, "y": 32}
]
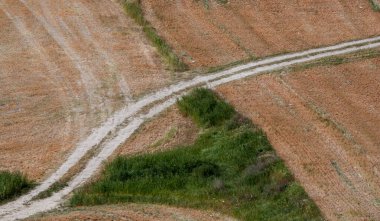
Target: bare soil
[
  {"x": 218, "y": 34},
  {"x": 164, "y": 132},
  {"x": 324, "y": 123},
  {"x": 64, "y": 67},
  {"x": 134, "y": 212}
]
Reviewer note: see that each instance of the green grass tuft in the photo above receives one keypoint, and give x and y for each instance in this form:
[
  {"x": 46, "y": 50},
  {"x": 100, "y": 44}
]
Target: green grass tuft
[
  {"x": 133, "y": 9},
  {"x": 205, "y": 108},
  {"x": 12, "y": 184},
  {"x": 231, "y": 168},
  {"x": 375, "y": 5}
]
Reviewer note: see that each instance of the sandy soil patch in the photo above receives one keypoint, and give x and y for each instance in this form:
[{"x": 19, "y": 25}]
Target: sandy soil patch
[
  {"x": 222, "y": 33},
  {"x": 134, "y": 212},
  {"x": 64, "y": 67},
  {"x": 324, "y": 123}
]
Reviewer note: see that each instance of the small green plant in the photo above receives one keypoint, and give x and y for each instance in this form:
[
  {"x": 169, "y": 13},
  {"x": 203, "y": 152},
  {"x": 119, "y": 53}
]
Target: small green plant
[
  {"x": 12, "y": 184},
  {"x": 133, "y": 9},
  {"x": 375, "y": 5}
]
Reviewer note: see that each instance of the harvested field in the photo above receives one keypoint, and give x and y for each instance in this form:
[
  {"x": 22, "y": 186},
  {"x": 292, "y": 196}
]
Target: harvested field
[
  {"x": 324, "y": 123},
  {"x": 64, "y": 67},
  {"x": 133, "y": 212},
  {"x": 208, "y": 33}
]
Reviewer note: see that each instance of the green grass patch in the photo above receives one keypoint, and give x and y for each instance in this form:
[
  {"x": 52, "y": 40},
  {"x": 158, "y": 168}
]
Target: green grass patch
[
  {"x": 205, "y": 108},
  {"x": 134, "y": 9},
  {"x": 231, "y": 168},
  {"x": 375, "y": 5},
  {"x": 12, "y": 184}
]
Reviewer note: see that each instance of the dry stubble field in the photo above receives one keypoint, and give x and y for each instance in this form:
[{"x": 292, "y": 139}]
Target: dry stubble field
[
  {"x": 218, "y": 34},
  {"x": 324, "y": 123},
  {"x": 64, "y": 67}
]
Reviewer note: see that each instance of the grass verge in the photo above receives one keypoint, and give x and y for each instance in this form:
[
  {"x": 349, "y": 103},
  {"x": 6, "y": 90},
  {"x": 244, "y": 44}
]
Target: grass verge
[
  {"x": 12, "y": 184},
  {"x": 133, "y": 9},
  {"x": 231, "y": 168},
  {"x": 338, "y": 60}
]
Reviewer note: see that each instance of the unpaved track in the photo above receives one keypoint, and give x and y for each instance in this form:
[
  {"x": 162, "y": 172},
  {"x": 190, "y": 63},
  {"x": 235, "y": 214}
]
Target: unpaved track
[
  {"x": 222, "y": 33},
  {"x": 65, "y": 67},
  {"x": 124, "y": 122},
  {"x": 323, "y": 122}
]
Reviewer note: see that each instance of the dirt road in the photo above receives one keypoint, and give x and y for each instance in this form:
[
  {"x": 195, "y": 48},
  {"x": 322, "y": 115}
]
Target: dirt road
[
  {"x": 323, "y": 122},
  {"x": 65, "y": 67},
  {"x": 123, "y": 123},
  {"x": 212, "y": 33}
]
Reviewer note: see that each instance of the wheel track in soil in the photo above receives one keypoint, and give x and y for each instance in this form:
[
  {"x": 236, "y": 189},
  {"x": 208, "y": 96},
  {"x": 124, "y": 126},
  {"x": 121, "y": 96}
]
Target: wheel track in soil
[{"x": 121, "y": 125}]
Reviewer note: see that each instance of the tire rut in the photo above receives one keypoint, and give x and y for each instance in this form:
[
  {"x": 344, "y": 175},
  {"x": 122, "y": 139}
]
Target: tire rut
[{"x": 23, "y": 207}]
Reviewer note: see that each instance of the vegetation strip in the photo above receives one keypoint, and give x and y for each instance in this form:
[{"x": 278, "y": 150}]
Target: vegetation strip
[
  {"x": 375, "y": 5},
  {"x": 134, "y": 10},
  {"x": 18, "y": 208},
  {"x": 231, "y": 168},
  {"x": 13, "y": 184}
]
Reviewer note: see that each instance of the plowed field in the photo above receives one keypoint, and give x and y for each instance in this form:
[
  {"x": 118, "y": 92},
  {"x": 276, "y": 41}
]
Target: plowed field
[
  {"x": 324, "y": 123},
  {"x": 64, "y": 67},
  {"x": 208, "y": 33}
]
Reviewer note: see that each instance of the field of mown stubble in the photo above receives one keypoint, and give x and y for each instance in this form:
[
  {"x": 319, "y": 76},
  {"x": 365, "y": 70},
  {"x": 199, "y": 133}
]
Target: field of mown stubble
[
  {"x": 65, "y": 66},
  {"x": 133, "y": 212},
  {"x": 208, "y": 33},
  {"x": 323, "y": 122}
]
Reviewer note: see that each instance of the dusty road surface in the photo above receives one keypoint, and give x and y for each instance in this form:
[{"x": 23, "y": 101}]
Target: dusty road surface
[
  {"x": 208, "y": 33},
  {"x": 65, "y": 66},
  {"x": 120, "y": 126},
  {"x": 324, "y": 123},
  {"x": 133, "y": 212}
]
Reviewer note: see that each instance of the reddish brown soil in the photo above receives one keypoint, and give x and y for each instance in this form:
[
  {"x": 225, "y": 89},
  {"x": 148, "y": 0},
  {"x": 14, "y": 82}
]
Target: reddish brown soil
[
  {"x": 324, "y": 123},
  {"x": 64, "y": 67},
  {"x": 166, "y": 131},
  {"x": 239, "y": 29},
  {"x": 134, "y": 212}
]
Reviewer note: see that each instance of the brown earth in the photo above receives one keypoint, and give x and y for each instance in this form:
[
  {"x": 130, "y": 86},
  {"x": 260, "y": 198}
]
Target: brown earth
[
  {"x": 134, "y": 212},
  {"x": 64, "y": 67},
  {"x": 170, "y": 129},
  {"x": 324, "y": 123},
  {"x": 224, "y": 33}
]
